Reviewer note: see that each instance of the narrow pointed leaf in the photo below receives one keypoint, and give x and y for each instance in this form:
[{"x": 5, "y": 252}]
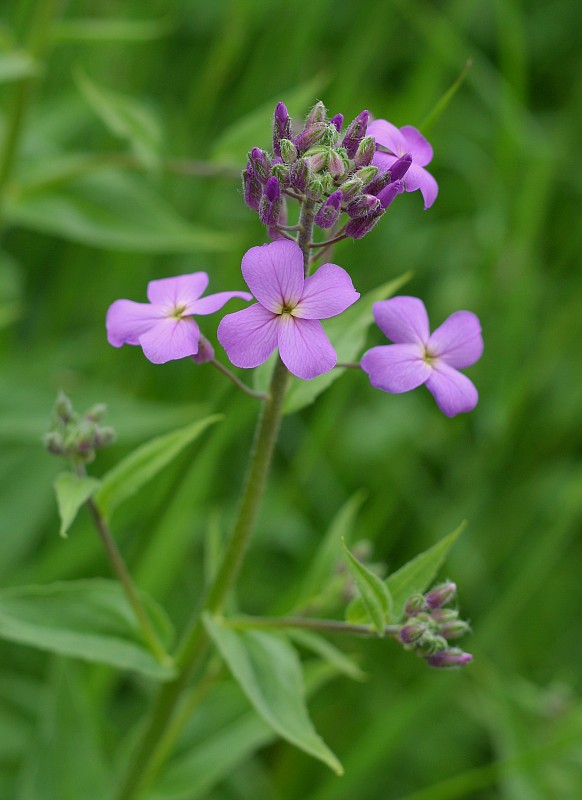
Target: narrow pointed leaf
[
  {"x": 143, "y": 464},
  {"x": 373, "y": 591},
  {"x": 328, "y": 652},
  {"x": 446, "y": 98},
  {"x": 269, "y": 672},
  {"x": 16, "y": 65},
  {"x": 72, "y": 492}
]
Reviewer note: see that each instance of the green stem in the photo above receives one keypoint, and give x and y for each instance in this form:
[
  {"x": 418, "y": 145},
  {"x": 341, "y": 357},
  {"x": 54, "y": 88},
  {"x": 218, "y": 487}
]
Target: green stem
[
  {"x": 40, "y": 27},
  {"x": 195, "y": 641},
  {"x": 309, "y": 624},
  {"x": 238, "y": 383}
]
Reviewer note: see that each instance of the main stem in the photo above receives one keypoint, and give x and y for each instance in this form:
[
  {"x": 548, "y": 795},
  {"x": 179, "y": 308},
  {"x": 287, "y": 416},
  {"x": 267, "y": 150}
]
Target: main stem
[{"x": 195, "y": 641}]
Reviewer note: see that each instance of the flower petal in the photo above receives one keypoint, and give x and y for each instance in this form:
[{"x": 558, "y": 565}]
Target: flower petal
[
  {"x": 213, "y": 302},
  {"x": 458, "y": 341},
  {"x": 304, "y": 347},
  {"x": 179, "y": 291},
  {"x": 418, "y": 178},
  {"x": 326, "y": 293},
  {"x": 170, "y": 339},
  {"x": 249, "y": 336},
  {"x": 396, "y": 368},
  {"x": 453, "y": 391},
  {"x": 417, "y": 145},
  {"x": 126, "y": 321},
  {"x": 387, "y": 135},
  {"x": 403, "y": 319},
  {"x": 274, "y": 274}
]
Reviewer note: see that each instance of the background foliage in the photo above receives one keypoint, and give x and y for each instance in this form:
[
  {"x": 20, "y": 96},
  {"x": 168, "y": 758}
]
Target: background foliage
[{"x": 97, "y": 205}]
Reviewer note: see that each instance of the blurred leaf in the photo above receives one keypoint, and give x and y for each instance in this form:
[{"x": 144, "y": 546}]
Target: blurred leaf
[
  {"x": 88, "y": 619},
  {"x": 10, "y": 290},
  {"x": 144, "y": 463},
  {"x": 72, "y": 492},
  {"x": 347, "y": 332},
  {"x": 255, "y": 128},
  {"x": 113, "y": 210},
  {"x": 373, "y": 592},
  {"x": 328, "y": 652},
  {"x": 125, "y": 117},
  {"x": 269, "y": 672},
  {"x": 110, "y": 30},
  {"x": 444, "y": 101},
  {"x": 16, "y": 65},
  {"x": 65, "y": 760}
]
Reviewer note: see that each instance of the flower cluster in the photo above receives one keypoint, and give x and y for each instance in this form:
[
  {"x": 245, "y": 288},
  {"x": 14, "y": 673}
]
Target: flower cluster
[
  {"x": 77, "y": 436},
  {"x": 357, "y": 172},
  {"x": 429, "y": 627}
]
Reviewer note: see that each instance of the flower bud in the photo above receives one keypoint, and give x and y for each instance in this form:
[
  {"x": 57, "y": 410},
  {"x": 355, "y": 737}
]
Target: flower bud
[
  {"x": 442, "y": 615},
  {"x": 281, "y": 220},
  {"x": 288, "y": 151},
  {"x": 261, "y": 164},
  {"x": 327, "y": 183},
  {"x": 300, "y": 175},
  {"x": 362, "y": 205},
  {"x": 366, "y": 174},
  {"x": 441, "y": 595},
  {"x": 330, "y": 136},
  {"x": 335, "y": 165},
  {"x": 412, "y": 633},
  {"x": 414, "y": 605},
  {"x": 64, "y": 408},
  {"x": 365, "y": 152},
  {"x": 270, "y": 204},
  {"x": 400, "y": 167},
  {"x": 430, "y": 644},
  {"x": 359, "y": 227},
  {"x": 85, "y": 437},
  {"x": 337, "y": 121},
  {"x": 351, "y": 187},
  {"x": 205, "y": 351},
  {"x": 317, "y": 114},
  {"x": 389, "y": 194},
  {"x": 103, "y": 437},
  {"x": 96, "y": 413},
  {"x": 281, "y": 127},
  {"x": 281, "y": 172},
  {"x": 454, "y": 629},
  {"x": 309, "y": 136},
  {"x": 378, "y": 183},
  {"x": 355, "y": 133},
  {"x": 317, "y": 158},
  {"x": 54, "y": 443},
  {"x": 252, "y": 188},
  {"x": 315, "y": 187},
  {"x": 327, "y": 215},
  {"x": 449, "y": 658}
]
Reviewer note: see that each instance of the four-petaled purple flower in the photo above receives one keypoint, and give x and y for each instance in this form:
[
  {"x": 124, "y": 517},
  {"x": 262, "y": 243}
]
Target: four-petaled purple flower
[
  {"x": 288, "y": 311},
  {"x": 165, "y": 327},
  {"x": 419, "y": 357},
  {"x": 400, "y": 141}
]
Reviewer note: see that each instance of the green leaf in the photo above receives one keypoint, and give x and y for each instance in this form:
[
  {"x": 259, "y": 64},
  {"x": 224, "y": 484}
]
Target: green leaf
[
  {"x": 65, "y": 760},
  {"x": 88, "y": 619},
  {"x": 444, "y": 101},
  {"x": 16, "y": 65},
  {"x": 418, "y": 574},
  {"x": 328, "y": 652},
  {"x": 72, "y": 492},
  {"x": 269, "y": 672},
  {"x": 347, "y": 332},
  {"x": 254, "y": 129},
  {"x": 11, "y": 290},
  {"x": 113, "y": 210},
  {"x": 125, "y": 117},
  {"x": 110, "y": 30},
  {"x": 373, "y": 591},
  {"x": 143, "y": 464}
]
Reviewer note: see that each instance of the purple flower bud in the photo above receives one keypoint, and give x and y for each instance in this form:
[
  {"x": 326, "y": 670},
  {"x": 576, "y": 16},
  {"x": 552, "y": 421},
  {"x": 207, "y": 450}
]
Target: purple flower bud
[
  {"x": 387, "y": 195},
  {"x": 288, "y": 151},
  {"x": 64, "y": 408},
  {"x": 443, "y": 615},
  {"x": 261, "y": 164},
  {"x": 205, "y": 351},
  {"x": 378, "y": 183},
  {"x": 54, "y": 443},
  {"x": 365, "y": 152},
  {"x": 272, "y": 230},
  {"x": 441, "y": 595},
  {"x": 338, "y": 122},
  {"x": 317, "y": 158},
  {"x": 414, "y": 605},
  {"x": 363, "y": 205},
  {"x": 300, "y": 175},
  {"x": 104, "y": 437},
  {"x": 252, "y": 188},
  {"x": 309, "y": 136},
  {"x": 449, "y": 658},
  {"x": 281, "y": 126},
  {"x": 317, "y": 114},
  {"x": 359, "y": 227},
  {"x": 281, "y": 172},
  {"x": 327, "y": 215},
  {"x": 400, "y": 167},
  {"x": 351, "y": 187},
  {"x": 335, "y": 165},
  {"x": 355, "y": 133},
  {"x": 412, "y": 633},
  {"x": 270, "y": 204},
  {"x": 454, "y": 629}
]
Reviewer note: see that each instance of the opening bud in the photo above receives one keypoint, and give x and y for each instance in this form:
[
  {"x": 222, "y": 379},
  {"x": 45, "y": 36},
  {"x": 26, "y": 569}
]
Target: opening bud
[
  {"x": 270, "y": 204},
  {"x": 365, "y": 152},
  {"x": 327, "y": 215},
  {"x": 317, "y": 114},
  {"x": 378, "y": 183},
  {"x": 338, "y": 121},
  {"x": 441, "y": 595},
  {"x": 355, "y": 133},
  {"x": 390, "y": 193},
  {"x": 281, "y": 126},
  {"x": 449, "y": 658},
  {"x": 261, "y": 164},
  {"x": 400, "y": 167}
]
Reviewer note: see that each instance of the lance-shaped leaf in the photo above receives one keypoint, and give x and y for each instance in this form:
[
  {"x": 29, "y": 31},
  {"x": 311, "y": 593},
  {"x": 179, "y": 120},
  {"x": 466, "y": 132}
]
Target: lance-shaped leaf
[
  {"x": 143, "y": 464},
  {"x": 16, "y": 65},
  {"x": 373, "y": 591},
  {"x": 269, "y": 672},
  {"x": 88, "y": 619},
  {"x": 72, "y": 492}
]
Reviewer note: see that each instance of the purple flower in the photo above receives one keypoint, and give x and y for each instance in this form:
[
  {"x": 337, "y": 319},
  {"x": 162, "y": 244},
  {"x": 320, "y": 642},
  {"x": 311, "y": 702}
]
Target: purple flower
[
  {"x": 164, "y": 327},
  {"x": 419, "y": 357},
  {"x": 288, "y": 311},
  {"x": 400, "y": 141}
]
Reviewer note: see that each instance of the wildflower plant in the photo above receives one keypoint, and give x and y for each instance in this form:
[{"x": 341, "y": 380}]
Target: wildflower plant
[{"x": 320, "y": 183}]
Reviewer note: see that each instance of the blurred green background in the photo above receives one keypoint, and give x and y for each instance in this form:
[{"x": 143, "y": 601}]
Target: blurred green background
[{"x": 90, "y": 216}]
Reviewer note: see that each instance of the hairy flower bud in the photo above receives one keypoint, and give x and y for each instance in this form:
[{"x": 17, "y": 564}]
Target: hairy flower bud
[
  {"x": 54, "y": 443},
  {"x": 309, "y": 136},
  {"x": 271, "y": 201},
  {"x": 335, "y": 165},
  {"x": 363, "y": 205},
  {"x": 414, "y": 605},
  {"x": 365, "y": 152},
  {"x": 281, "y": 172},
  {"x": 317, "y": 158},
  {"x": 359, "y": 227},
  {"x": 389, "y": 194},
  {"x": 315, "y": 187},
  {"x": 252, "y": 188},
  {"x": 96, "y": 413},
  {"x": 261, "y": 164},
  {"x": 454, "y": 629},
  {"x": 378, "y": 183},
  {"x": 300, "y": 174},
  {"x": 317, "y": 114},
  {"x": 366, "y": 174},
  {"x": 64, "y": 408},
  {"x": 351, "y": 187},
  {"x": 103, "y": 437},
  {"x": 337, "y": 121},
  {"x": 205, "y": 351},
  {"x": 327, "y": 215},
  {"x": 441, "y": 595},
  {"x": 412, "y": 633},
  {"x": 449, "y": 658},
  {"x": 288, "y": 151},
  {"x": 281, "y": 127},
  {"x": 400, "y": 167},
  {"x": 355, "y": 133}
]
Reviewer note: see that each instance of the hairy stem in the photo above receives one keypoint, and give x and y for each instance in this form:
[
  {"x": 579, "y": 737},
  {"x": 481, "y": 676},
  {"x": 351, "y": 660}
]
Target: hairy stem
[{"x": 309, "y": 624}]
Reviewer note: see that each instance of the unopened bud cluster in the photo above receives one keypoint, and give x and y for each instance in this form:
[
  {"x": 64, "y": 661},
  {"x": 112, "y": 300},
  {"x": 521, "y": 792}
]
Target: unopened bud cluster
[
  {"x": 428, "y": 627},
  {"x": 77, "y": 436},
  {"x": 332, "y": 169}
]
